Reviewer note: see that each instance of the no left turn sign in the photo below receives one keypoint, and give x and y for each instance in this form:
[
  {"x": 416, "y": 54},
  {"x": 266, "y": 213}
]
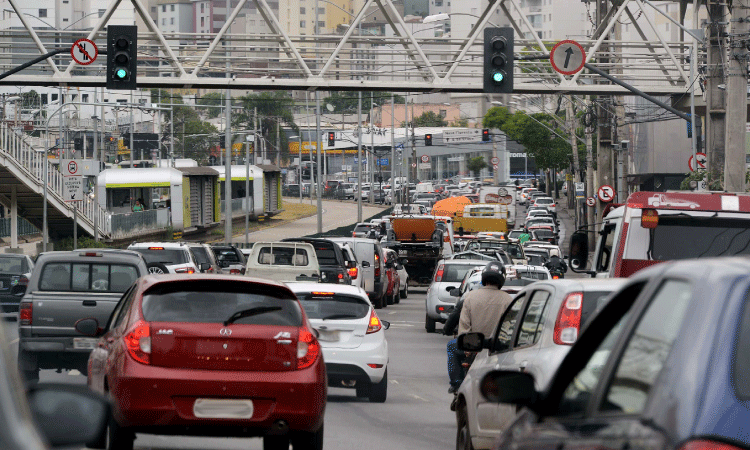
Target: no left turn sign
[
  {"x": 591, "y": 201},
  {"x": 606, "y": 193}
]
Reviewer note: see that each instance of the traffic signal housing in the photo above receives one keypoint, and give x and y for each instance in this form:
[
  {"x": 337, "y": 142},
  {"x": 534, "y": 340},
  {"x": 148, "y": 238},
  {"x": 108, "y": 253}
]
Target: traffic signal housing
[
  {"x": 498, "y": 60},
  {"x": 427, "y": 140},
  {"x": 486, "y": 135},
  {"x": 331, "y": 139},
  {"x": 122, "y": 61}
]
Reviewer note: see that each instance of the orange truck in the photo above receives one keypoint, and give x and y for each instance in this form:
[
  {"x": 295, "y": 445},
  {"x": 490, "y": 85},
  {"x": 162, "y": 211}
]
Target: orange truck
[{"x": 420, "y": 242}]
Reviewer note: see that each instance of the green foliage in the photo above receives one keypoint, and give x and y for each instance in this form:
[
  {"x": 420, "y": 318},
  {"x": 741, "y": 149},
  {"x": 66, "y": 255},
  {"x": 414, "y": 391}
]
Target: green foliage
[
  {"x": 459, "y": 123},
  {"x": 272, "y": 106},
  {"x": 476, "y": 164},
  {"x": 496, "y": 117},
  {"x": 214, "y": 99},
  {"x": 346, "y": 102},
  {"x": 430, "y": 119},
  {"x": 193, "y": 136},
  {"x": 83, "y": 242}
]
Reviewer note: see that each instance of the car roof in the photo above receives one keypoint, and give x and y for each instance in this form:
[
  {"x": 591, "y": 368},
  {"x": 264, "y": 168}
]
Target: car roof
[
  {"x": 584, "y": 284},
  {"x": 111, "y": 254},
  {"x": 347, "y": 289},
  {"x": 478, "y": 262}
]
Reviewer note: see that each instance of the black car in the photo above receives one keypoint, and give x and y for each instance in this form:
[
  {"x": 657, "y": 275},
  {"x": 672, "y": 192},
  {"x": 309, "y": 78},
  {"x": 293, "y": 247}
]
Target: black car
[
  {"x": 333, "y": 265},
  {"x": 15, "y": 271},
  {"x": 663, "y": 365},
  {"x": 230, "y": 258}
]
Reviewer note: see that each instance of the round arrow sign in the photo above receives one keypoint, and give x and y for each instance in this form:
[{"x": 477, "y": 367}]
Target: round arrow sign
[
  {"x": 567, "y": 57},
  {"x": 702, "y": 160}
]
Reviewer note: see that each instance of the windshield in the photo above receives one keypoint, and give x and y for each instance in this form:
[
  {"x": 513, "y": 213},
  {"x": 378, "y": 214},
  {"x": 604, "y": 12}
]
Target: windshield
[
  {"x": 13, "y": 265},
  {"x": 454, "y": 273},
  {"x": 688, "y": 236},
  {"x": 322, "y": 305}
]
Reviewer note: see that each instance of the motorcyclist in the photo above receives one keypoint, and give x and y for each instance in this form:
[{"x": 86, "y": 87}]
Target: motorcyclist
[
  {"x": 556, "y": 265},
  {"x": 480, "y": 313}
]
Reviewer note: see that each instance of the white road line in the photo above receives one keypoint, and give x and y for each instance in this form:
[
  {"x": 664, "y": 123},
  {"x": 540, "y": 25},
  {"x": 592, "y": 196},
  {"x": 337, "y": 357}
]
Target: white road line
[
  {"x": 74, "y": 372},
  {"x": 14, "y": 340},
  {"x": 418, "y": 397},
  {"x": 394, "y": 381}
]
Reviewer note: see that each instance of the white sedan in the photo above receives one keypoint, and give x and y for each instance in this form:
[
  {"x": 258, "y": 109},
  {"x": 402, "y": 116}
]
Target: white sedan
[{"x": 352, "y": 337}]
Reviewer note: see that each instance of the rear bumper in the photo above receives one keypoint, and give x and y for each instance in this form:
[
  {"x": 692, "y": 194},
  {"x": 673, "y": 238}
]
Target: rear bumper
[
  {"x": 52, "y": 353},
  {"x": 160, "y": 400},
  {"x": 343, "y": 364},
  {"x": 9, "y": 305}
]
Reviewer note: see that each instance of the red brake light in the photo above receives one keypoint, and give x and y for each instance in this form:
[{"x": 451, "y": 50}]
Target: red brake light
[
  {"x": 233, "y": 271},
  {"x": 138, "y": 342},
  {"x": 25, "y": 313},
  {"x": 185, "y": 270},
  {"x": 375, "y": 325},
  {"x": 353, "y": 272},
  {"x": 568, "y": 322},
  {"x": 323, "y": 294},
  {"x": 649, "y": 218},
  {"x": 341, "y": 276},
  {"x": 23, "y": 281},
  {"x": 308, "y": 349},
  {"x": 707, "y": 445},
  {"x": 91, "y": 254},
  {"x": 439, "y": 273},
  {"x": 156, "y": 248}
]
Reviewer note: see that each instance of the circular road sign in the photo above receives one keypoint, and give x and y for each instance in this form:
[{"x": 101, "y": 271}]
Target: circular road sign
[
  {"x": 84, "y": 51},
  {"x": 567, "y": 57},
  {"x": 494, "y": 166},
  {"x": 591, "y": 201},
  {"x": 72, "y": 167},
  {"x": 425, "y": 159},
  {"x": 502, "y": 192},
  {"x": 606, "y": 193},
  {"x": 495, "y": 160},
  {"x": 414, "y": 164},
  {"x": 702, "y": 160}
]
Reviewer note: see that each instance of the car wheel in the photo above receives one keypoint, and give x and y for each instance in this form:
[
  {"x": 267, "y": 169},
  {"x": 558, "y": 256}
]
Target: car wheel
[
  {"x": 463, "y": 436},
  {"x": 157, "y": 269},
  {"x": 379, "y": 391},
  {"x": 405, "y": 290},
  {"x": 119, "y": 438},
  {"x": 275, "y": 442},
  {"x": 305, "y": 440},
  {"x": 27, "y": 366},
  {"x": 397, "y": 298},
  {"x": 429, "y": 324}
]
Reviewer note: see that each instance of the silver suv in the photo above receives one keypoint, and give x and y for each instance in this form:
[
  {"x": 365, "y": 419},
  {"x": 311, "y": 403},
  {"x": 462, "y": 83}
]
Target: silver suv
[
  {"x": 167, "y": 257},
  {"x": 65, "y": 287}
]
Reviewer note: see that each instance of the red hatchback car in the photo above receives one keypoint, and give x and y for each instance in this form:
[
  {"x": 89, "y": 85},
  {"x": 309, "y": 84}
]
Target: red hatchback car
[{"x": 209, "y": 355}]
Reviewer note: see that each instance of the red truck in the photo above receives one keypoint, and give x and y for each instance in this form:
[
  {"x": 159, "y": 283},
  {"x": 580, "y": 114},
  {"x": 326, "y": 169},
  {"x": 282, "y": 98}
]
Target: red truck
[{"x": 653, "y": 227}]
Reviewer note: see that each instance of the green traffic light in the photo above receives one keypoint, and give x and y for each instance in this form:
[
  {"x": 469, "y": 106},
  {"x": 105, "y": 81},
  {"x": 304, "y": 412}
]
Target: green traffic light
[
  {"x": 121, "y": 73},
  {"x": 498, "y": 77}
]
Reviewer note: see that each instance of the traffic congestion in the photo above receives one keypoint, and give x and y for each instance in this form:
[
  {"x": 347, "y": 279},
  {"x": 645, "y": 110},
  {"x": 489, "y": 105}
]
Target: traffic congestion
[{"x": 464, "y": 315}]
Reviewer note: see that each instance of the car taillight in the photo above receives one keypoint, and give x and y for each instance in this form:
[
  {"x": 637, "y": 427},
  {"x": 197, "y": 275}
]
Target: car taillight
[
  {"x": 23, "y": 281},
  {"x": 25, "y": 313},
  {"x": 707, "y": 445},
  {"x": 374, "y": 325},
  {"x": 138, "y": 342},
  {"x": 439, "y": 273},
  {"x": 308, "y": 349},
  {"x": 185, "y": 270},
  {"x": 234, "y": 271},
  {"x": 353, "y": 272},
  {"x": 568, "y": 322}
]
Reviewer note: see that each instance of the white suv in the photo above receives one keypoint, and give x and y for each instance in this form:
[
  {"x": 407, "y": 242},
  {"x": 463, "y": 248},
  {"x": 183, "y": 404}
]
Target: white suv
[
  {"x": 167, "y": 257},
  {"x": 351, "y": 334}
]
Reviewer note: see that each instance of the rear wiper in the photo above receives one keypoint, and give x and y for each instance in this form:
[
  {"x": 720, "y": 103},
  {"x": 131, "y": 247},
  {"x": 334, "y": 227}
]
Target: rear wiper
[
  {"x": 251, "y": 312},
  {"x": 340, "y": 316}
]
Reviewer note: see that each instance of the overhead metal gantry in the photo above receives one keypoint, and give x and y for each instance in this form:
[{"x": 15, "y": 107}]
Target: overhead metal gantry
[{"x": 400, "y": 62}]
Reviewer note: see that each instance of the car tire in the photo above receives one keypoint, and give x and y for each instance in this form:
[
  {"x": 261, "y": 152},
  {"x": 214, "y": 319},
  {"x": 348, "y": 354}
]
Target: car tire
[
  {"x": 405, "y": 290},
  {"x": 379, "y": 391},
  {"x": 157, "y": 269},
  {"x": 397, "y": 298},
  {"x": 429, "y": 324},
  {"x": 276, "y": 442},
  {"x": 27, "y": 366},
  {"x": 463, "y": 434},
  {"x": 119, "y": 438},
  {"x": 306, "y": 440}
]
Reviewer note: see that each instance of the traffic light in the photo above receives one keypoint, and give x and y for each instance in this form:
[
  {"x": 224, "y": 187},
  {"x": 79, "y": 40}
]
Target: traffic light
[
  {"x": 78, "y": 143},
  {"x": 485, "y": 135},
  {"x": 331, "y": 139},
  {"x": 498, "y": 60},
  {"x": 427, "y": 140},
  {"x": 122, "y": 45}
]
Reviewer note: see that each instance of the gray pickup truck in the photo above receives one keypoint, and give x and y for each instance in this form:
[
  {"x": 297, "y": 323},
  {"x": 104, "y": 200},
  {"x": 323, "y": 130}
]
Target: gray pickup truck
[{"x": 64, "y": 288}]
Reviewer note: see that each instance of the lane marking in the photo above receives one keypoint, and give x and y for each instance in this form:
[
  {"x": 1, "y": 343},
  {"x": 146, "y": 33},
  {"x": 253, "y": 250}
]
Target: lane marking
[{"x": 419, "y": 398}]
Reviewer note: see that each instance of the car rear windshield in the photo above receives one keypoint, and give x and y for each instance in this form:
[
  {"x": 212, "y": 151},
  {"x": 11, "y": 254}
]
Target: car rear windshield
[
  {"x": 83, "y": 277},
  {"x": 363, "y": 227},
  {"x": 201, "y": 255},
  {"x": 454, "y": 273},
  {"x": 536, "y": 260},
  {"x": 13, "y": 265},
  {"x": 593, "y": 301},
  {"x": 742, "y": 364},
  {"x": 327, "y": 305},
  {"x": 217, "y": 301},
  {"x": 164, "y": 255},
  {"x": 326, "y": 254},
  {"x": 544, "y": 233},
  {"x": 283, "y": 256},
  {"x": 228, "y": 255},
  {"x": 532, "y": 274},
  {"x": 545, "y": 201}
]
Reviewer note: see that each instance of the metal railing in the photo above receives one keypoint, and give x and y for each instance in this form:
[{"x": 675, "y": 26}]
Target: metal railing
[
  {"x": 25, "y": 227},
  {"x": 135, "y": 223}
]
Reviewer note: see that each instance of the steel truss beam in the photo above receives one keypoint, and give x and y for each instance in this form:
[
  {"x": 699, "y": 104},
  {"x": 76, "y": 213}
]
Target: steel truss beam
[{"x": 401, "y": 62}]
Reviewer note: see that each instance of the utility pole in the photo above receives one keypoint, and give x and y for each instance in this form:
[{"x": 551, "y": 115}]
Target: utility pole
[
  {"x": 572, "y": 202},
  {"x": 734, "y": 167},
  {"x": 227, "y": 161},
  {"x": 604, "y": 164},
  {"x": 590, "y": 211},
  {"x": 393, "y": 147},
  {"x": 405, "y": 188},
  {"x": 715, "y": 100},
  {"x": 359, "y": 158}
]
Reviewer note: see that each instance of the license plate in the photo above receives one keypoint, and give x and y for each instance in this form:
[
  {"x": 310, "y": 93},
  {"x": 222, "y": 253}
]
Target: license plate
[
  {"x": 403, "y": 252},
  {"x": 212, "y": 408},
  {"x": 85, "y": 343},
  {"x": 328, "y": 336}
]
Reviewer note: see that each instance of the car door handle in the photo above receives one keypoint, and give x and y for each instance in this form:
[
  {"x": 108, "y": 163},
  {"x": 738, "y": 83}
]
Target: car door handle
[{"x": 89, "y": 303}]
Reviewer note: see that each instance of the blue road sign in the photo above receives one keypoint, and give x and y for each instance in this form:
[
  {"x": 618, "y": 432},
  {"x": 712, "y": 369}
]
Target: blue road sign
[{"x": 383, "y": 162}]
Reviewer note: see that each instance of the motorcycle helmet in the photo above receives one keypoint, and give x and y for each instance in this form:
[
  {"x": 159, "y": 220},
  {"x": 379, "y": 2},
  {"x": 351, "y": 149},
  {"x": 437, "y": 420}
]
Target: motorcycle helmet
[{"x": 493, "y": 273}]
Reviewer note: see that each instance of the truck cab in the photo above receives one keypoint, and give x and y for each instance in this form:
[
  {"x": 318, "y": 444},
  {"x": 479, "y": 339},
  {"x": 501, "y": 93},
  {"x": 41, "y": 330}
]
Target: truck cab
[{"x": 654, "y": 227}]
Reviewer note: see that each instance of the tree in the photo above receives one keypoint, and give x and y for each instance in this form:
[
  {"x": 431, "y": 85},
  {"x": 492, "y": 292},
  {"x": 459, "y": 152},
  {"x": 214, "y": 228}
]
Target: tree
[
  {"x": 459, "y": 123},
  {"x": 476, "y": 164},
  {"x": 214, "y": 100},
  {"x": 272, "y": 107},
  {"x": 193, "y": 137},
  {"x": 496, "y": 117},
  {"x": 429, "y": 119}
]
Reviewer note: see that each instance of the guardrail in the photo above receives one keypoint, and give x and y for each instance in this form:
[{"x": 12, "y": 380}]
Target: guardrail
[
  {"x": 131, "y": 224},
  {"x": 25, "y": 227}
]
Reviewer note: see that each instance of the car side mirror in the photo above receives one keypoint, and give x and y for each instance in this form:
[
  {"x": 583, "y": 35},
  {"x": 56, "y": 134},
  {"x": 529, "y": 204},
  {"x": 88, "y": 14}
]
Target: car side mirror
[
  {"x": 88, "y": 327},
  {"x": 205, "y": 266},
  {"x": 385, "y": 324},
  {"x": 579, "y": 251},
  {"x": 471, "y": 342},
  {"x": 365, "y": 263},
  {"x": 516, "y": 388},
  {"x": 69, "y": 415}
]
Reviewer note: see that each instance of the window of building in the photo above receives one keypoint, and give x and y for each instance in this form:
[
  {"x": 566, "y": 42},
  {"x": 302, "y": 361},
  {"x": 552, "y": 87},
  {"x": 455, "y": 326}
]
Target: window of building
[
  {"x": 164, "y": 21},
  {"x": 42, "y": 13},
  {"x": 438, "y": 2},
  {"x": 65, "y": 20},
  {"x": 321, "y": 10},
  {"x": 171, "y": 21},
  {"x": 153, "y": 9},
  {"x": 85, "y": 98},
  {"x": 203, "y": 21},
  {"x": 321, "y": 24},
  {"x": 102, "y": 11},
  {"x": 171, "y": 8},
  {"x": 302, "y": 10},
  {"x": 443, "y": 113},
  {"x": 302, "y": 24},
  {"x": 202, "y": 6}
]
